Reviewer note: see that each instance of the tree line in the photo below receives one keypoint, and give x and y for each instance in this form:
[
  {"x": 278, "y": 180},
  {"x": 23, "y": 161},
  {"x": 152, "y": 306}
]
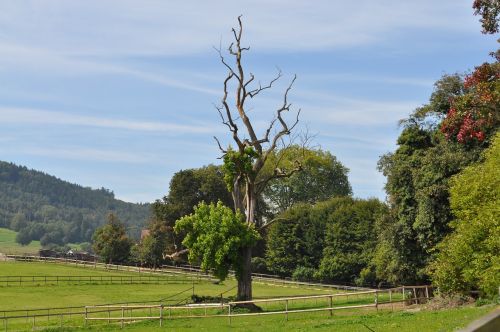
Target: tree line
[{"x": 42, "y": 207}]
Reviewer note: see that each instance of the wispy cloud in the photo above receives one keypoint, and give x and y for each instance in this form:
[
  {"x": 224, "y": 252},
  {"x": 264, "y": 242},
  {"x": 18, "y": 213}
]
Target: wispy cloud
[
  {"x": 88, "y": 154},
  {"x": 348, "y": 77},
  {"x": 121, "y": 27},
  {"x": 38, "y": 116},
  {"x": 338, "y": 110}
]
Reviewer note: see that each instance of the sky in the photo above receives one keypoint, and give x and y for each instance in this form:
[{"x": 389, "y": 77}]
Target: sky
[{"x": 121, "y": 94}]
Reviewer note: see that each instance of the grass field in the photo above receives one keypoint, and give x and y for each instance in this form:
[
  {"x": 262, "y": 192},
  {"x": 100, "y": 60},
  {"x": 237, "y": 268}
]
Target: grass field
[
  {"x": 9, "y": 246},
  {"x": 401, "y": 321},
  {"x": 16, "y": 297},
  {"x": 41, "y": 296}
]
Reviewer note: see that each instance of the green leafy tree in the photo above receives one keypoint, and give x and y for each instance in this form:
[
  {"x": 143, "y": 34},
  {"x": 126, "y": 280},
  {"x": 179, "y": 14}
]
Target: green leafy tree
[
  {"x": 23, "y": 237},
  {"x": 110, "y": 241},
  {"x": 469, "y": 257},
  {"x": 154, "y": 246},
  {"x": 333, "y": 240},
  {"x": 215, "y": 236},
  {"x": 350, "y": 241},
  {"x": 418, "y": 175},
  {"x": 294, "y": 239},
  {"x": 187, "y": 189},
  {"x": 322, "y": 177}
]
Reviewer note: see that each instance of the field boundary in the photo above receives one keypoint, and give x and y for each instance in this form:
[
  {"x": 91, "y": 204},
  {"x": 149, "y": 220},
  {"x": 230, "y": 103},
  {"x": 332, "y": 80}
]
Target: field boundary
[
  {"x": 193, "y": 272},
  {"x": 44, "y": 280},
  {"x": 231, "y": 306},
  {"x": 170, "y": 308}
]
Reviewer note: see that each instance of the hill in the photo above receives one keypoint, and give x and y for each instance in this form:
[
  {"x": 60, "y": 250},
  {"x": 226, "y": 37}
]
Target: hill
[{"x": 44, "y": 208}]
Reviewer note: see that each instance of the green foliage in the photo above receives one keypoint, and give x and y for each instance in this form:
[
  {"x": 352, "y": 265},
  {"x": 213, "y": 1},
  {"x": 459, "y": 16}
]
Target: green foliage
[
  {"x": 237, "y": 163},
  {"x": 322, "y": 177},
  {"x": 187, "y": 189},
  {"x": 335, "y": 237},
  {"x": 469, "y": 257},
  {"x": 295, "y": 239},
  {"x": 350, "y": 240},
  {"x": 110, "y": 241},
  {"x": 41, "y": 205},
  {"x": 302, "y": 273},
  {"x": 159, "y": 241},
  {"x": 23, "y": 237},
  {"x": 418, "y": 179},
  {"x": 215, "y": 237}
]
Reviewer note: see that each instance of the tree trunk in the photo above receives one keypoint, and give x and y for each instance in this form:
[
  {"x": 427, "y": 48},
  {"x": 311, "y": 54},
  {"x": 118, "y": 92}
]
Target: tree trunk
[{"x": 245, "y": 279}]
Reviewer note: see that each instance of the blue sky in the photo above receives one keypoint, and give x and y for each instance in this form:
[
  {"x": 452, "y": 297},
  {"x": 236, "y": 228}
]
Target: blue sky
[{"x": 120, "y": 94}]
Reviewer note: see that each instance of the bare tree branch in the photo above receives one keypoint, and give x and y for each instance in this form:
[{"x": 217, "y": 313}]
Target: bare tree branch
[
  {"x": 261, "y": 88},
  {"x": 220, "y": 146}
]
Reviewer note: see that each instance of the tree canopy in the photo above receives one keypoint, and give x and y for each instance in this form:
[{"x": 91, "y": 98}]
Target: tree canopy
[
  {"x": 187, "y": 189},
  {"x": 215, "y": 236},
  {"x": 469, "y": 257},
  {"x": 110, "y": 241},
  {"x": 333, "y": 240},
  {"x": 322, "y": 177}
]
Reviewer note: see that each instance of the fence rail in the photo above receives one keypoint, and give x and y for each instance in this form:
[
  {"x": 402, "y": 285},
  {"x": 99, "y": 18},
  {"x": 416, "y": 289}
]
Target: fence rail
[
  {"x": 297, "y": 304},
  {"x": 171, "y": 307},
  {"x": 194, "y": 272},
  {"x": 96, "y": 279}
]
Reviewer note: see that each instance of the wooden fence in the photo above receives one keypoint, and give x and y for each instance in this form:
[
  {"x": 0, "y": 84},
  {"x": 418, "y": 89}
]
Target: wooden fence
[
  {"x": 177, "y": 306},
  {"x": 274, "y": 306},
  {"x": 44, "y": 317},
  {"x": 191, "y": 272},
  {"x": 6, "y": 281}
]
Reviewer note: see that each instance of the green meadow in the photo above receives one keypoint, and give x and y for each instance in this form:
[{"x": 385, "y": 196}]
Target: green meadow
[{"x": 39, "y": 296}]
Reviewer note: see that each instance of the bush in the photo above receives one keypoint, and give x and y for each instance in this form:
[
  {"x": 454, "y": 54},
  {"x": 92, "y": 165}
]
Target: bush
[
  {"x": 303, "y": 273},
  {"x": 468, "y": 258},
  {"x": 23, "y": 237}
]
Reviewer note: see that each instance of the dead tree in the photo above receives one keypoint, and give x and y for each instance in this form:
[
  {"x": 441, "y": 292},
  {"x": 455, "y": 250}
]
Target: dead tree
[{"x": 246, "y": 181}]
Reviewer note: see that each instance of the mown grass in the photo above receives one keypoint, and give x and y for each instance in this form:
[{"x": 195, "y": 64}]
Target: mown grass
[
  {"x": 9, "y": 246},
  {"x": 33, "y": 296},
  {"x": 400, "y": 321},
  {"x": 41, "y": 296}
]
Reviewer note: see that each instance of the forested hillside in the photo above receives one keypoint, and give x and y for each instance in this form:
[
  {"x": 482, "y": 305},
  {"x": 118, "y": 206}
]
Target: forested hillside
[{"x": 42, "y": 207}]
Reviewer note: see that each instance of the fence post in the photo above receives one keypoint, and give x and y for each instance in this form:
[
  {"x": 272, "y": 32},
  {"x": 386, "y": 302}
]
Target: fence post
[
  {"x": 390, "y": 299},
  {"x": 229, "y": 314},
  {"x": 86, "y": 315},
  {"x": 286, "y": 309},
  {"x": 427, "y": 292},
  {"x": 161, "y": 315},
  {"x": 331, "y": 305},
  {"x": 376, "y": 300},
  {"x": 415, "y": 295},
  {"x": 404, "y": 297}
]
